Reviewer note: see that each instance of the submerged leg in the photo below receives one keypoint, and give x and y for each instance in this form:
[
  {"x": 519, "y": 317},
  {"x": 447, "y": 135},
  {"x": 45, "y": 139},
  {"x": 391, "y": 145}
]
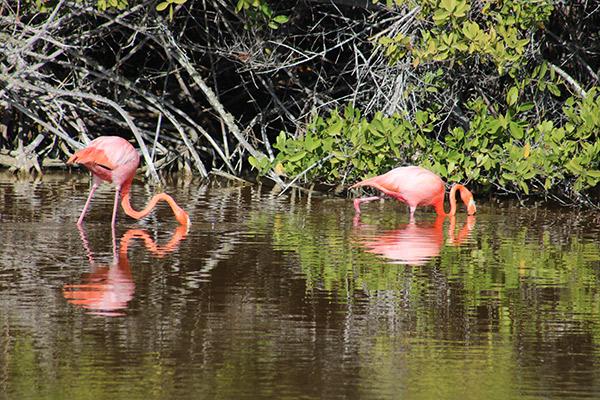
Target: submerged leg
[
  {"x": 363, "y": 200},
  {"x": 87, "y": 203}
]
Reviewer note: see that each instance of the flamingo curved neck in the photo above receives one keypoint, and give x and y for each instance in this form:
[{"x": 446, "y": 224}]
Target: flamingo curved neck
[
  {"x": 180, "y": 215},
  {"x": 440, "y": 206}
]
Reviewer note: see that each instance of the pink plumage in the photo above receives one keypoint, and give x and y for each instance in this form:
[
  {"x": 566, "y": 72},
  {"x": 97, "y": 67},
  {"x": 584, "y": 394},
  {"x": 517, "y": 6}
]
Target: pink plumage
[
  {"x": 415, "y": 186},
  {"x": 113, "y": 159}
]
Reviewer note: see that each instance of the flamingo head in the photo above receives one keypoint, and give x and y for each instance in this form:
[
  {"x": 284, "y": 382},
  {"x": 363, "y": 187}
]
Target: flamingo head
[
  {"x": 471, "y": 209},
  {"x": 467, "y": 198}
]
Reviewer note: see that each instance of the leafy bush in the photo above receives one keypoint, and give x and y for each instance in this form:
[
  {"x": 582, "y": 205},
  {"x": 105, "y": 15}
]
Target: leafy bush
[
  {"x": 494, "y": 31},
  {"x": 505, "y": 151},
  {"x": 489, "y": 111}
]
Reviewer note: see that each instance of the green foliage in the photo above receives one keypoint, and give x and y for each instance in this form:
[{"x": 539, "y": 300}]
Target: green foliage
[
  {"x": 511, "y": 152},
  {"x": 38, "y": 5},
  {"x": 342, "y": 146},
  {"x": 505, "y": 149},
  {"x": 170, "y": 5},
  {"x": 45, "y": 6},
  {"x": 497, "y": 32},
  {"x": 505, "y": 135},
  {"x": 260, "y": 13},
  {"x": 103, "y": 5}
]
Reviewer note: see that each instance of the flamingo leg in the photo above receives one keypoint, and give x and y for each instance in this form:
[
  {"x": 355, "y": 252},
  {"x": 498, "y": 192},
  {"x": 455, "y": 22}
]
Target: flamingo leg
[
  {"x": 87, "y": 203},
  {"x": 115, "y": 208},
  {"x": 363, "y": 200}
]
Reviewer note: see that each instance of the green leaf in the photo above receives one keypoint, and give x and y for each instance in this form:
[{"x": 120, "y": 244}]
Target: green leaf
[
  {"x": 524, "y": 186},
  {"x": 281, "y": 19},
  {"x": 339, "y": 155},
  {"x": 253, "y": 162},
  {"x": 266, "y": 10},
  {"x": 451, "y": 166},
  {"x": 313, "y": 144},
  {"x": 327, "y": 144},
  {"x": 297, "y": 157},
  {"x": 574, "y": 167},
  {"x": 525, "y": 107},
  {"x": 542, "y": 70},
  {"x": 553, "y": 89},
  {"x": 280, "y": 141},
  {"x": 512, "y": 96},
  {"x": 239, "y": 6},
  {"x": 470, "y": 30},
  {"x": 440, "y": 16},
  {"x": 516, "y": 130},
  {"x": 461, "y": 9},
  {"x": 162, "y": 6},
  {"x": 448, "y": 5}
]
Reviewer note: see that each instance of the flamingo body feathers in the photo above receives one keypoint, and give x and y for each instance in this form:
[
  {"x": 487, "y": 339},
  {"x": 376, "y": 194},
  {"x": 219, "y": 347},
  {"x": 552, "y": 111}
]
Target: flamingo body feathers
[
  {"x": 412, "y": 185},
  {"x": 416, "y": 186},
  {"x": 110, "y": 158},
  {"x": 114, "y": 160}
]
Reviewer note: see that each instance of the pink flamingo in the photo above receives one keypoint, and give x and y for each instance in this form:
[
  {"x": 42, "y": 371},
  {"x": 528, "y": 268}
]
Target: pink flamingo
[
  {"x": 113, "y": 159},
  {"x": 416, "y": 186}
]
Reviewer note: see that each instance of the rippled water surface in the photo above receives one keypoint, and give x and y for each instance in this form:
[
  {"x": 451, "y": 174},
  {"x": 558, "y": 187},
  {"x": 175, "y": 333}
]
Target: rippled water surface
[{"x": 292, "y": 297}]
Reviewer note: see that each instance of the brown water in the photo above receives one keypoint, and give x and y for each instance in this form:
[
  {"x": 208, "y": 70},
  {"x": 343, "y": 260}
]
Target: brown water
[{"x": 289, "y": 297}]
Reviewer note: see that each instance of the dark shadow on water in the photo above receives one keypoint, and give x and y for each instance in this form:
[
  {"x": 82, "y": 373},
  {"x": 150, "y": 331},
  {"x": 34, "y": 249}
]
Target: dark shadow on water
[
  {"x": 108, "y": 289},
  {"x": 415, "y": 243}
]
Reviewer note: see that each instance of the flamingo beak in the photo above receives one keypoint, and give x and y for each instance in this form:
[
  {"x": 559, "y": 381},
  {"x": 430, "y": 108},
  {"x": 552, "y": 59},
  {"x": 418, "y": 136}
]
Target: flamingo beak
[{"x": 471, "y": 209}]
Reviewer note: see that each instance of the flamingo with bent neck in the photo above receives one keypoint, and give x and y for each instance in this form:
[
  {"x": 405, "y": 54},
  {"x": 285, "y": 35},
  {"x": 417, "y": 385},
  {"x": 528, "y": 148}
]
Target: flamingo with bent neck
[
  {"x": 113, "y": 159},
  {"x": 416, "y": 186}
]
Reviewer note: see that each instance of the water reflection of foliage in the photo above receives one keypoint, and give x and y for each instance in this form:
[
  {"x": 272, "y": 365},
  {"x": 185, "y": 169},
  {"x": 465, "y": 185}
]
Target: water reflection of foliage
[
  {"x": 519, "y": 296},
  {"x": 491, "y": 267},
  {"x": 516, "y": 293}
]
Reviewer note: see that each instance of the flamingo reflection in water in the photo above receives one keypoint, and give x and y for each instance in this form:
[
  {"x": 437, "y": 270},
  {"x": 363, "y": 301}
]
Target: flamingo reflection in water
[
  {"x": 108, "y": 288},
  {"x": 414, "y": 244}
]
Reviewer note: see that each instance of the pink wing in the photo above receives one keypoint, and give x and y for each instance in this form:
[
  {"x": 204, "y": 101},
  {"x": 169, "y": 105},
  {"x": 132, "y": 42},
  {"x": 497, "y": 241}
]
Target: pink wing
[{"x": 111, "y": 158}]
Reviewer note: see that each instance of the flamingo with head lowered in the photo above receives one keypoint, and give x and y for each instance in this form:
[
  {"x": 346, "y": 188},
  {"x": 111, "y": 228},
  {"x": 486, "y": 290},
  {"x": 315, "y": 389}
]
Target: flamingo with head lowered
[
  {"x": 113, "y": 159},
  {"x": 416, "y": 186}
]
